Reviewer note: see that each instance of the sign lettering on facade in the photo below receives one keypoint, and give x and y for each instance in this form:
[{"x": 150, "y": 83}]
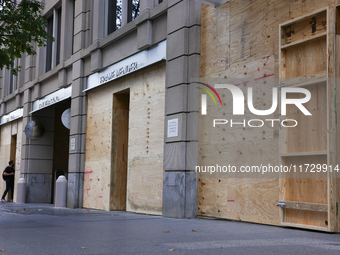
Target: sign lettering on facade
[
  {"x": 52, "y": 98},
  {"x": 119, "y": 72},
  {"x": 12, "y": 116},
  {"x": 131, "y": 64}
]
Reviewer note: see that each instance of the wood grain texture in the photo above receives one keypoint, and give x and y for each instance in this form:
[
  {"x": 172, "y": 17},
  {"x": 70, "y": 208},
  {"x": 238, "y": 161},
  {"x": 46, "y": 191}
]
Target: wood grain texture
[
  {"x": 295, "y": 225},
  {"x": 306, "y": 206},
  {"x": 214, "y": 39},
  {"x": 305, "y": 28},
  {"x": 331, "y": 119},
  {"x": 120, "y": 128},
  {"x": 308, "y": 218},
  {"x": 9, "y": 130},
  {"x": 311, "y": 132},
  {"x": 298, "y": 58},
  {"x": 306, "y": 61},
  {"x": 145, "y": 143},
  {"x": 247, "y": 199},
  {"x": 337, "y": 75},
  {"x": 254, "y": 36},
  {"x": 243, "y": 198}
]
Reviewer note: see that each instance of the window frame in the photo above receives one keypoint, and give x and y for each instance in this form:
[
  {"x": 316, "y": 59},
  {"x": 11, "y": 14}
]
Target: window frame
[{"x": 53, "y": 49}]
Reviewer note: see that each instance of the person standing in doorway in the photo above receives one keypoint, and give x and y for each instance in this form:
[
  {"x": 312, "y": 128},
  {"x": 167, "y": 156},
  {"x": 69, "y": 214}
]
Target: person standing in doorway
[{"x": 9, "y": 178}]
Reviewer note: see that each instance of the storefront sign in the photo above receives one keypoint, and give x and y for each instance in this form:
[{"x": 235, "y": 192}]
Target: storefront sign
[
  {"x": 128, "y": 65},
  {"x": 52, "y": 98},
  {"x": 173, "y": 128},
  {"x": 12, "y": 116}
]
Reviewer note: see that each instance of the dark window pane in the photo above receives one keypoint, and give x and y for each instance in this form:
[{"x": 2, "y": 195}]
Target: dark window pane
[
  {"x": 11, "y": 78},
  {"x": 114, "y": 15},
  {"x": 119, "y": 14},
  {"x": 133, "y": 9},
  {"x": 49, "y": 44},
  {"x": 58, "y": 36}
]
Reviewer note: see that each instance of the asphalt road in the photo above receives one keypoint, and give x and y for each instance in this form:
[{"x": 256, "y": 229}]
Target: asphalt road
[{"x": 42, "y": 229}]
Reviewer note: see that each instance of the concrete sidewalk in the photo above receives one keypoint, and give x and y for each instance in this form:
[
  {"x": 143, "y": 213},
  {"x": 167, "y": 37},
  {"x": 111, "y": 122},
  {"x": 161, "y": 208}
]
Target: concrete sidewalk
[{"x": 43, "y": 229}]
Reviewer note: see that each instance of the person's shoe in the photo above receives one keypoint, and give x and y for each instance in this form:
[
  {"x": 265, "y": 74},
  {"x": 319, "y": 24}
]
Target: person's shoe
[{"x": 3, "y": 200}]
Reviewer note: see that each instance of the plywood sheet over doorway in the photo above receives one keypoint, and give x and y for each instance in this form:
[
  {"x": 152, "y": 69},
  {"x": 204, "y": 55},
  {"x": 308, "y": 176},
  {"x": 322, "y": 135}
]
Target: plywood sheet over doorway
[
  {"x": 120, "y": 128},
  {"x": 146, "y": 136}
]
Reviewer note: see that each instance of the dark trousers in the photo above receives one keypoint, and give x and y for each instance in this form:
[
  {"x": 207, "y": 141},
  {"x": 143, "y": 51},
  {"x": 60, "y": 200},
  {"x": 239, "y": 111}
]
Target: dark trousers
[{"x": 9, "y": 185}]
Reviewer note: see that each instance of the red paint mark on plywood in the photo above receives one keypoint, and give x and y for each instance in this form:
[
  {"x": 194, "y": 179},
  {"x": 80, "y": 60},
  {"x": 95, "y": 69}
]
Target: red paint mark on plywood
[
  {"x": 100, "y": 196},
  {"x": 229, "y": 200},
  {"x": 265, "y": 76},
  {"x": 88, "y": 172},
  {"x": 245, "y": 82}
]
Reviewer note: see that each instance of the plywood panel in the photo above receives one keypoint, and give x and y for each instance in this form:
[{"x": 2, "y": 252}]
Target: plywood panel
[
  {"x": 146, "y": 136},
  {"x": 337, "y": 75},
  {"x": 302, "y": 60},
  {"x": 247, "y": 153},
  {"x": 239, "y": 30},
  {"x": 298, "y": 58},
  {"x": 145, "y": 184},
  {"x": 306, "y": 28},
  {"x": 238, "y": 198},
  {"x": 304, "y": 7},
  {"x": 7, "y": 130},
  {"x": 214, "y": 39},
  {"x": 311, "y": 132},
  {"x": 254, "y": 52},
  {"x": 97, "y": 184},
  {"x": 20, "y": 133},
  {"x": 306, "y": 217},
  {"x": 253, "y": 200},
  {"x": 332, "y": 120},
  {"x": 120, "y": 124}
]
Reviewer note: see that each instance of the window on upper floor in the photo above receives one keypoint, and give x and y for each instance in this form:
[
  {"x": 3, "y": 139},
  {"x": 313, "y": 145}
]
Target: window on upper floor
[
  {"x": 10, "y": 80},
  {"x": 49, "y": 44},
  {"x": 120, "y": 13},
  {"x": 53, "y": 47},
  {"x": 13, "y": 82},
  {"x": 114, "y": 21},
  {"x": 133, "y": 9}
]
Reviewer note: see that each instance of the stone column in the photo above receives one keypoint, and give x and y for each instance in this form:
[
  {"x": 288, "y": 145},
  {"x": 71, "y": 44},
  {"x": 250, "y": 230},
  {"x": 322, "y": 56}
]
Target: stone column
[
  {"x": 37, "y": 155},
  {"x": 77, "y": 138},
  {"x": 78, "y": 111},
  {"x": 182, "y": 103}
]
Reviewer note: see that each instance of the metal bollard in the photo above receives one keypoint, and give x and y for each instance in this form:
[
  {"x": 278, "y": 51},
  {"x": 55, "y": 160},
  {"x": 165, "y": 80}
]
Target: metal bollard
[
  {"x": 61, "y": 192},
  {"x": 21, "y": 191}
]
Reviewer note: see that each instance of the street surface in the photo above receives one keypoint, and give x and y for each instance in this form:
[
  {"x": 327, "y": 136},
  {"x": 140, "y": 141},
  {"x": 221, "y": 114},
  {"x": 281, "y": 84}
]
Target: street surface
[{"x": 42, "y": 229}]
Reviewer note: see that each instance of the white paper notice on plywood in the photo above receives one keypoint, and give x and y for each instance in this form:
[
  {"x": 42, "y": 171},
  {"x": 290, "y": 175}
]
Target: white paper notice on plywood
[
  {"x": 131, "y": 64},
  {"x": 173, "y": 128}
]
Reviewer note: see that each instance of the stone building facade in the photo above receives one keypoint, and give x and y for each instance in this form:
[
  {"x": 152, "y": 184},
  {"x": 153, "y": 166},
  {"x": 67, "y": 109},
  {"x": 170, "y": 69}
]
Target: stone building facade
[{"x": 120, "y": 72}]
